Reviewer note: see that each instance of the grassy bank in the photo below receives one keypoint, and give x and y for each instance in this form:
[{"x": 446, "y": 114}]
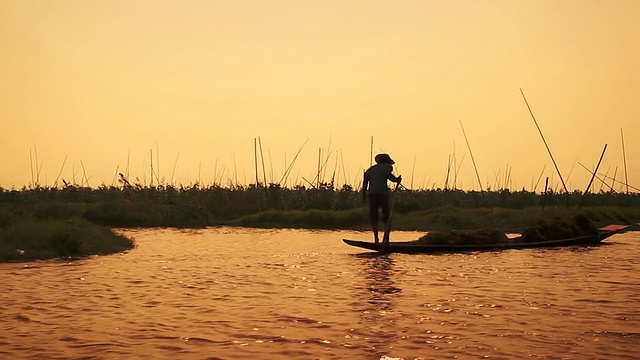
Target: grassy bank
[
  {"x": 25, "y": 237},
  {"x": 76, "y": 222}
]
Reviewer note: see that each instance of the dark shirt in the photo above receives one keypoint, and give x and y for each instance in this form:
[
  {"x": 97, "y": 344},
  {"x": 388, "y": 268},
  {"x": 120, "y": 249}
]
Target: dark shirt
[{"x": 375, "y": 179}]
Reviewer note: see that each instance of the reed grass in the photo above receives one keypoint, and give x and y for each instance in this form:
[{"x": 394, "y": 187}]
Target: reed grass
[{"x": 74, "y": 221}]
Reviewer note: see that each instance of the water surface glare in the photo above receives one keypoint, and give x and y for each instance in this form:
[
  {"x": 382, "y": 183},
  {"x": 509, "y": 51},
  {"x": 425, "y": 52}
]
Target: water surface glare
[{"x": 223, "y": 293}]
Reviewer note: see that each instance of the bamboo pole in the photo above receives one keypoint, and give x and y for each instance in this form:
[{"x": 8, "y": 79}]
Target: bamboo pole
[
  {"x": 413, "y": 170},
  {"x": 151, "y": 163},
  {"x": 128, "y": 158},
  {"x": 571, "y": 171},
  {"x": 614, "y": 180},
  {"x": 55, "y": 183},
  {"x": 472, "y": 159},
  {"x": 455, "y": 167},
  {"x": 235, "y": 170},
  {"x": 455, "y": 180},
  {"x": 336, "y": 173},
  {"x": 539, "y": 178},
  {"x": 264, "y": 171},
  {"x": 84, "y": 173},
  {"x": 324, "y": 173},
  {"x": 35, "y": 149},
  {"x": 371, "y": 152},
  {"x": 595, "y": 171},
  {"x": 624, "y": 157},
  {"x": 270, "y": 167},
  {"x": 115, "y": 176},
  {"x": 602, "y": 183},
  {"x": 157, "y": 163},
  {"x": 215, "y": 171},
  {"x": 546, "y": 189},
  {"x": 223, "y": 169},
  {"x": 592, "y": 172},
  {"x": 31, "y": 167},
  {"x": 446, "y": 179},
  {"x": 288, "y": 171},
  {"x": 319, "y": 169},
  {"x": 255, "y": 158},
  {"x": 507, "y": 177},
  {"x": 545, "y": 142},
  {"x": 173, "y": 172}
]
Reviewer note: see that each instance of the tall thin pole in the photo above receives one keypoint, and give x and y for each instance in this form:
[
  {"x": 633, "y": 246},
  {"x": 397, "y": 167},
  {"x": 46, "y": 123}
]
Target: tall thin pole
[
  {"x": 255, "y": 156},
  {"x": 371, "y": 152},
  {"x": 215, "y": 171},
  {"x": 413, "y": 169},
  {"x": 264, "y": 171},
  {"x": 613, "y": 182},
  {"x": 325, "y": 167},
  {"x": 235, "y": 171},
  {"x": 472, "y": 159},
  {"x": 455, "y": 166},
  {"x": 288, "y": 171},
  {"x": 446, "y": 179},
  {"x": 344, "y": 172},
  {"x": 535, "y": 188},
  {"x": 319, "y": 168},
  {"x": 113, "y": 182},
  {"x": 545, "y": 142},
  {"x": 595, "y": 171},
  {"x": 126, "y": 173},
  {"x": 624, "y": 157},
  {"x": 31, "y": 166},
  {"x": 84, "y": 173},
  {"x": 270, "y": 166},
  {"x": 174, "y": 169},
  {"x": 151, "y": 156},
  {"x": 157, "y": 163},
  {"x": 55, "y": 183},
  {"x": 38, "y": 167}
]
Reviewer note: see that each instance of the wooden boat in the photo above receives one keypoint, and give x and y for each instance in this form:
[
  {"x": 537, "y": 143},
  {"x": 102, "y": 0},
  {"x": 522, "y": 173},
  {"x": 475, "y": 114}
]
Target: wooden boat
[{"x": 413, "y": 247}]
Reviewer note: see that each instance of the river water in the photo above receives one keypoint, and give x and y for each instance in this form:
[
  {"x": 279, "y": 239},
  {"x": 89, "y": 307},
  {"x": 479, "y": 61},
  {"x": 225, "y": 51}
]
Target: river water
[{"x": 234, "y": 293}]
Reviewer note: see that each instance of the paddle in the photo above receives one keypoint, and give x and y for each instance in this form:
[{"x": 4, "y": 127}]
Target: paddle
[{"x": 387, "y": 226}]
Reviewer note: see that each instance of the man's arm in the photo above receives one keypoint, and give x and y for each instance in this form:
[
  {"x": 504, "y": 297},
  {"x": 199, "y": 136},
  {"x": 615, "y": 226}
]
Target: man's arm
[{"x": 395, "y": 179}]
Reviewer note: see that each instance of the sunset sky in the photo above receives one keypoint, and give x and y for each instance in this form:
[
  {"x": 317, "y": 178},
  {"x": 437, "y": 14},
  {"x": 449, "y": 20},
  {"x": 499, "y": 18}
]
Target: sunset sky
[{"x": 103, "y": 84}]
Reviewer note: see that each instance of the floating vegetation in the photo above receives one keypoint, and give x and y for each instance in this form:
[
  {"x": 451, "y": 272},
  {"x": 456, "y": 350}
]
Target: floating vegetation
[
  {"x": 465, "y": 237},
  {"x": 557, "y": 229},
  {"x": 545, "y": 230}
]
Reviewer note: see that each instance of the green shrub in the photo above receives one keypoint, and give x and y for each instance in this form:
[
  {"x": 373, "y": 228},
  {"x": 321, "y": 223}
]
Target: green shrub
[
  {"x": 5, "y": 218},
  {"x": 59, "y": 210}
]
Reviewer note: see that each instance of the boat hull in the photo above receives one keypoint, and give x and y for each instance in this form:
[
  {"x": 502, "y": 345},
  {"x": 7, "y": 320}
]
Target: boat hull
[{"x": 411, "y": 247}]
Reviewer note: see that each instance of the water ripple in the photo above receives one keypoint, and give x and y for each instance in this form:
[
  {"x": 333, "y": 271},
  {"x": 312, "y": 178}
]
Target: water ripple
[{"x": 304, "y": 294}]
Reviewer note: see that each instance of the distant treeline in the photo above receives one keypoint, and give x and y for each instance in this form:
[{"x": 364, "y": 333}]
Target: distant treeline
[{"x": 200, "y": 206}]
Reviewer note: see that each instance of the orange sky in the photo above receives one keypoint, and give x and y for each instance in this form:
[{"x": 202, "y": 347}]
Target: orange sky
[{"x": 103, "y": 83}]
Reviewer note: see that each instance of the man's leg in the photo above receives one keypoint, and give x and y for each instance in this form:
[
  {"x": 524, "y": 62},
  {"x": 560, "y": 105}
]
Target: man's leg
[
  {"x": 384, "y": 204},
  {"x": 374, "y": 204}
]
